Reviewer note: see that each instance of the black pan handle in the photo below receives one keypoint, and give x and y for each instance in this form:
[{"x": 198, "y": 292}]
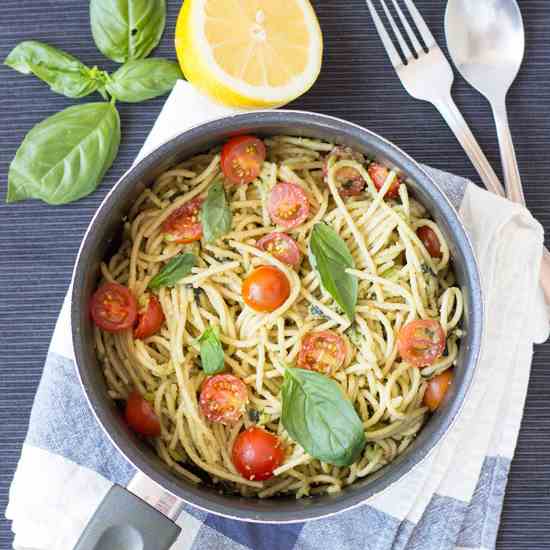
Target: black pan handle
[{"x": 125, "y": 522}]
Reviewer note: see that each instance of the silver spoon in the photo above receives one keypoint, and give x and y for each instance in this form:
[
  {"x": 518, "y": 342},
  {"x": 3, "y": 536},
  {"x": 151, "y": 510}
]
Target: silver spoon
[{"x": 486, "y": 41}]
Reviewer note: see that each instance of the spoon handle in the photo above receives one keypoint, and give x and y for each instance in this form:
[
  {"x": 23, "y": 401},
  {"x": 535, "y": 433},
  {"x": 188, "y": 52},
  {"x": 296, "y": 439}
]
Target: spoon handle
[
  {"x": 449, "y": 111},
  {"x": 512, "y": 179}
]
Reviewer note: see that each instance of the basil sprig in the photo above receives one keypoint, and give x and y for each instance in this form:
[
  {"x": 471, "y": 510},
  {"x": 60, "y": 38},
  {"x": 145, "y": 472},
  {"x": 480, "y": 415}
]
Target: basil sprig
[
  {"x": 143, "y": 79},
  {"x": 215, "y": 213},
  {"x": 64, "y": 73},
  {"x": 64, "y": 157},
  {"x": 177, "y": 268},
  {"x": 330, "y": 257},
  {"x": 127, "y": 29},
  {"x": 212, "y": 358},
  {"x": 318, "y": 416}
]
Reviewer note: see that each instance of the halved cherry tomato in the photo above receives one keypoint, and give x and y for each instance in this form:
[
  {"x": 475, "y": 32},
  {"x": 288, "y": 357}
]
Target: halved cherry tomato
[
  {"x": 421, "y": 342},
  {"x": 141, "y": 416},
  {"x": 242, "y": 158},
  {"x": 256, "y": 453},
  {"x": 323, "y": 352},
  {"x": 113, "y": 307},
  {"x": 288, "y": 205},
  {"x": 378, "y": 174},
  {"x": 150, "y": 318},
  {"x": 266, "y": 289},
  {"x": 437, "y": 388},
  {"x": 429, "y": 240},
  {"x": 282, "y": 247},
  {"x": 223, "y": 398},
  {"x": 183, "y": 225},
  {"x": 349, "y": 181}
]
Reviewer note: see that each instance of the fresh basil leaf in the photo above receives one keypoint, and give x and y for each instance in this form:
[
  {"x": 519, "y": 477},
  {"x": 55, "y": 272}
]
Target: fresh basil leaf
[
  {"x": 177, "y": 268},
  {"x": 215, "y": 213},
  {"x": 330, "y": 256},
  {"x": 64, "y": 157},
  {"x": 143, "y": 79},
  {"x": 317, "y": 415},
  {"x": 127, "y": 29},
  {"x": 212, "y": 358},
  {"x": 64, "y": 73}
]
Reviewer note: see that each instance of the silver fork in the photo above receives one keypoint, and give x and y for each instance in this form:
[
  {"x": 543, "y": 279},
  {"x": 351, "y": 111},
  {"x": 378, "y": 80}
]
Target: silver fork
[{"x": 429, "y": 76}]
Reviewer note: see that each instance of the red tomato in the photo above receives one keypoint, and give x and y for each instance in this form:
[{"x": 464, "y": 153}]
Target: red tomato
[
  {"x": 349, "y": 181},
  {"x": 378, "y": 174},
  {"x": 437, "y": 388},
  {"x": 150, "y": 318},
  {"x": 421, "y": 342},
  {"x": 323, "y": 352},
  {"x": 223, "y": 398},
  {"x": 183, "y": 225},
  {"x": 141, "y": 416},
  {"x": 113, "y": 307},
  {"x": 282, "y": 247},
  {"x": 266, "y": 289},
  {"x": 288, "y": 205},
  {"x": 429, "y": 240},
  {"x": 256, "y": 453},
  {"x": 242, "y": 158}
]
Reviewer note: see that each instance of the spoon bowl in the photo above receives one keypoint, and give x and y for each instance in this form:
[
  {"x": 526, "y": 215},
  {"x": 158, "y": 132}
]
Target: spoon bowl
[{"x": 486, "y": 40}]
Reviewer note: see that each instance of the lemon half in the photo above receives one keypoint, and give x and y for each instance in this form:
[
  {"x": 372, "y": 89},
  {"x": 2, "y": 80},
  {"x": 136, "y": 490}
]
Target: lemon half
[{"x": 249, "y": 53}]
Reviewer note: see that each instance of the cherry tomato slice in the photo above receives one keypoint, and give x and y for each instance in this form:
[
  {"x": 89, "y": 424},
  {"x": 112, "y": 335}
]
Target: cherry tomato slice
[
  {"x": 324, "y": 352},
  {"x": 378, "y": 174},
  {"x": 437, "y": 388},
  {"x": 113, "y": 307},
  {"x": 282, "y": 247},
  {"x": 288, "y": 205},
  {"x": 349, "y": 181},
  {"x": 242, "y": 158},
  {"x": 223, "y": 398},
  {"x": 421, "y": 342},
  {"x": 429, "y": 240},
  {"x": 150, "y": 318},
  {"x": 256, "y": 453},
  {"x": 141, "y": 416},
  {"x": 183, "y": 225},
  {"x": 265, "y": 289}
]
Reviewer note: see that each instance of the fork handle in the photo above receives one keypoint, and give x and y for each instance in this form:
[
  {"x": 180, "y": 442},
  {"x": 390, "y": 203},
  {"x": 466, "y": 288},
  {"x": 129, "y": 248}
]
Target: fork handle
[{"x": 449, "y": 111}]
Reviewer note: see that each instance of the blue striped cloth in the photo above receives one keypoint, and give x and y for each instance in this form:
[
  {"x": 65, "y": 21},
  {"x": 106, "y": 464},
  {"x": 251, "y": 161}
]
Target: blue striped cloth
[{"x": 452, "y": 500}]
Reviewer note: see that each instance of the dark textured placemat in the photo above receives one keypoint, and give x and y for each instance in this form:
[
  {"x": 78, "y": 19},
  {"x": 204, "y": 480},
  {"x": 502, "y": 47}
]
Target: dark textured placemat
[{"x": 38, "y": 243}]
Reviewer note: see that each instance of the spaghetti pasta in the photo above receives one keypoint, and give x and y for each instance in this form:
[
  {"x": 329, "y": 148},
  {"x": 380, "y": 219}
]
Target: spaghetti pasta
[{"x": 399, "y": 281}]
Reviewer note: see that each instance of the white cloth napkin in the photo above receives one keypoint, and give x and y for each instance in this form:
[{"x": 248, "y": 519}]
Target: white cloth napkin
[{"x": 460, "y": 484}]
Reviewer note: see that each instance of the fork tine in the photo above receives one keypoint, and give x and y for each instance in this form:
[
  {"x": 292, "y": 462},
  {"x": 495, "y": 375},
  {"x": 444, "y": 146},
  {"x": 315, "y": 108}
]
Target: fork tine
[
  {"x": 394, "y": 56},
  {"x": 410, "y": 33},
  {"x": 425, "y": 33},
  {"x": 404, "y": 47}
]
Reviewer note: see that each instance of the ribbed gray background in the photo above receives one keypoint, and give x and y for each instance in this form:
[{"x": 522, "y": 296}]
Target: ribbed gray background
[{"x": 38, "y": 243}]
